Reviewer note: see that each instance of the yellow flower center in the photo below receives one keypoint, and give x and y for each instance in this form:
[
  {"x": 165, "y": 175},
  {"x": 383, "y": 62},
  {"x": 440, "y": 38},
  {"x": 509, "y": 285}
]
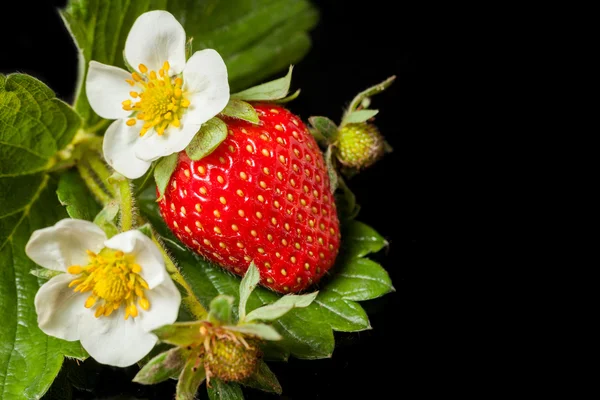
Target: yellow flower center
[
  {"x": 160, "y": 102},
  {"x": 114, "y": 280}
]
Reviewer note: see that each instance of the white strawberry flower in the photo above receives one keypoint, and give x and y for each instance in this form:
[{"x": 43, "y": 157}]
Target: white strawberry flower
[
  {"x": 111, "y": 295},
  {"x": 160, "y": 107}
]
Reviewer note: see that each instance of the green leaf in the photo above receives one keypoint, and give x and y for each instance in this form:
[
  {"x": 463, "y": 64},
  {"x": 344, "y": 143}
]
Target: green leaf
[
  {"x": 74, "y": 194},
  {"x": 106, "y": 218},
  {"x": 249, "y": 282},
  {"x": 219, "y": 390},
  {"x": 34, "y": 125},
  {"x": 220, "y": 309},
  {"x": 331, "y": 171},
  {"x": 29, "y": 360},
  {"x": 179, "y": 333},
  {"x": 256, "y": 38},
  {"x": 163, "y": 171},
  {"x": 190, "y": 380},
  {"x": 263, "y": 331},
  {"x": 359, "y": 99},
  {"x": 162, "y": 367},
  {"x": 208, "y": 138},
  {"x": 361, "y": 279},
  {"x": 326, "y": 127},
  {"x": 241, "y": 110},
  {"x": 342, "y": 315},
  {"x": 44, "y": 273},
  {"x": 263, "y": 379},
  {"x": 360, "y": 116},
  {"x": 273, "y": 90},
  {"x": 281, "y": 307},
  {"x": 360, "y": 240}
]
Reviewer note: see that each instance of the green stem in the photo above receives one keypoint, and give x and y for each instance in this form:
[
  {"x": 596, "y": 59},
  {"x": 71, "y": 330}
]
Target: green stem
[
  {"x": 88, "y": 177},
  {"x": 95, "y": 128},
  {"x": 101, "y": 169},
  {"x": 126, "y": 197},
  {"x": 190, "y": 301}
]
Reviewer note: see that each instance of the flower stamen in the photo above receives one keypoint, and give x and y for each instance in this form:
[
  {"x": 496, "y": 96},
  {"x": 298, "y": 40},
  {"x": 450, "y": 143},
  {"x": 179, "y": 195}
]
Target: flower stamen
[
  {"x": 113, "y": 278},
  {"x": 160, "y": 102}
]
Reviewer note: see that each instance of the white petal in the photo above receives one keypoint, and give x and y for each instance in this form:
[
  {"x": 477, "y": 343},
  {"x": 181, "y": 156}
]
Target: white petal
[
  {"x": 154, "y": 38},
  {"x": 115, "y": 341},
  {"x": 205, "y": 77},
  {"x": 145, "y": 252},
  {"x": 165, "y": 300},
  {"x": 106, "y": 89},
  {"x": 60, "y": 310},
  {"x": 153, "y": 146},
  {"x": 65, "y": 244},
  {"x": 118, "y": 148}
]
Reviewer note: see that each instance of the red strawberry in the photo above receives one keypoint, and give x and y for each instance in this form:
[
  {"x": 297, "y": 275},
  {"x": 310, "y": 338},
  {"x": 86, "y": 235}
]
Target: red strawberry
[{"x": 262, "y": 195}]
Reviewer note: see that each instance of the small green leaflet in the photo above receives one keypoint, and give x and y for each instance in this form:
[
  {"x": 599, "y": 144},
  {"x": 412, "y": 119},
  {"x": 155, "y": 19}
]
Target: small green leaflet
[
  {"x": 220, "y": 309},
  {"x": 260, "y": 330},
  {"x": 163, "y": 171},
  {"x": 249, "y": 282},
  {"x": 106, "y": 218},
  {"x": 34, "y": 126},
  {"x": 220, "y": 390},
  {"x": 360, "y": 116},
  {"x": 208, "y": 138},
  {"x": 263, "y": 379},
  {"x": 190, "y": 380},
  {"x": 162, "y": 367},
  {"x": 307, "y": 333},
  {"x": 326, "y": 127},
  {"x": 281, "y": 307},
  {"x": 273, "y": 90},
  {"x": 241, "y": 110}
]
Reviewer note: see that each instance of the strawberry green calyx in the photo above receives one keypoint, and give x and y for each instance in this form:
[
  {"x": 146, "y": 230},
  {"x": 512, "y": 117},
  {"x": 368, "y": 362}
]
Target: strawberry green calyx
[{"x": 360, "y": 145}]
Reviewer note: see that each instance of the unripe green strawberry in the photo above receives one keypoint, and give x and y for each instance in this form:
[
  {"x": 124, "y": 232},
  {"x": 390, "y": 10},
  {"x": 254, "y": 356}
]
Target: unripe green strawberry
[
  {"x": 360, "y": 145},
  {"x": 231, "y": 361}
]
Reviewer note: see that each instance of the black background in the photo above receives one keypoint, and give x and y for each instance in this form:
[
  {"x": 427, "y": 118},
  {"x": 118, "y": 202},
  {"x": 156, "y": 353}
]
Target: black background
[{"x": 354, "y": 46}]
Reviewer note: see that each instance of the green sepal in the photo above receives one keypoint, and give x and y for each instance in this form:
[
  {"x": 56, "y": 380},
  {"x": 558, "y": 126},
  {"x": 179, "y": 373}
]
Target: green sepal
[
  {"x": 331, "y": 170},
  {"x": 326, "y": 127},
  {"x": 220, "y": 309},
  {"x": 269, "y": 91},
  {"x": 106, "y": 218},
  {"x": 281, "y": 307},
  {"x": 190, "y": 380},
  {"x": 287, "y": 99},
  {"x": 208, "y": 138},
  {"x": 359, "y": 116},
  {"x": 44, "y": 273},
  {"x": 241, "y": 110},
  {"x": 346, "y": 201},
  {"x": 162, "y": 367},
  {"x": 262, "y": 331},
  {"x": 180, "y": 333},
  {"x": 219, "y": 390},
  {"x": 263, "y": 379},
  {"x": 189, "y": 48},
  {"x": 146, "y": 229},
  {"x": 163, "y": 171},
  {"x": 249, "y": 282},
  {"x": 360, "y": 98}
]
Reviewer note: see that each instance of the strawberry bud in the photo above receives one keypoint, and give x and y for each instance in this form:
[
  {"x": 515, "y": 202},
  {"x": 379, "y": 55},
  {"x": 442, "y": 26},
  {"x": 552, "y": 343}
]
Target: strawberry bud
[
  {"x": 229, "y": 360},
  {"x": 360, "y": 145}
]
